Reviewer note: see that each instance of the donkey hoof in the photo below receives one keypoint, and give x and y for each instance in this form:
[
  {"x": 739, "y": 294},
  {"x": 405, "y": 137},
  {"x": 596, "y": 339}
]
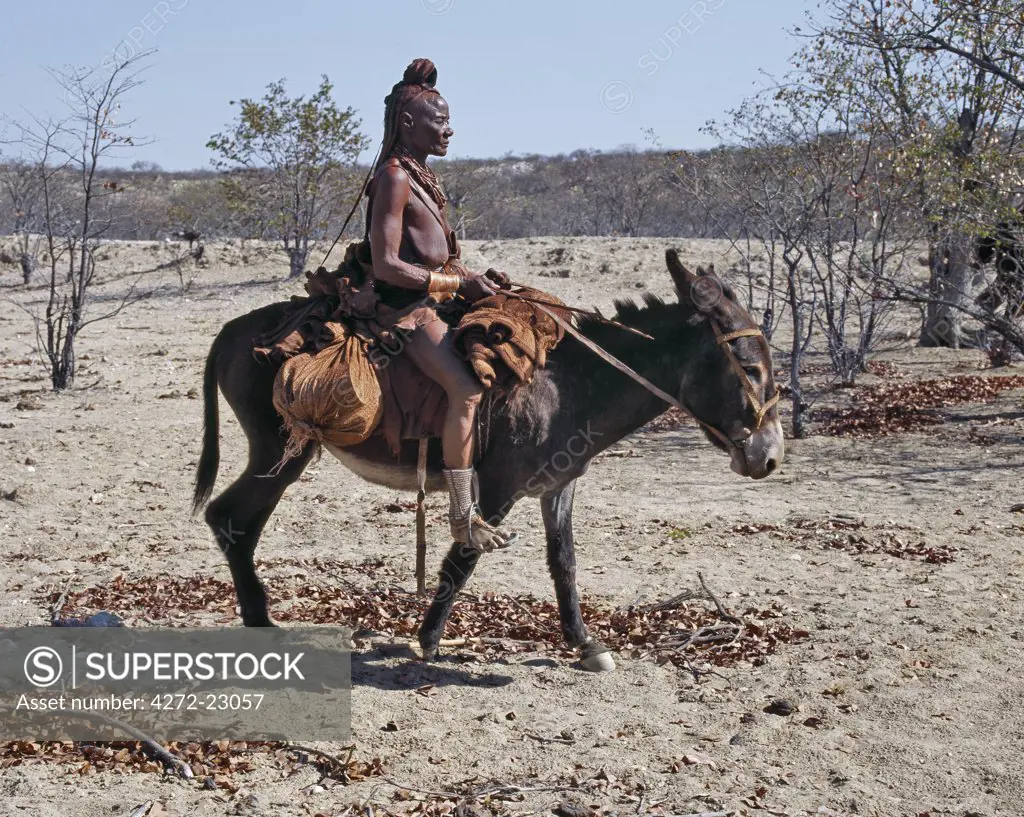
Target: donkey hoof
[
  {"x": 424, "y": 650},
  {"x": 257, "y": 621},
  {"x": 595, "y": 657}
]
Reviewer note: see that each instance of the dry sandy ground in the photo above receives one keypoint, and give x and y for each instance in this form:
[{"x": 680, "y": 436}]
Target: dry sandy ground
[{"x": 915, "y": 670}]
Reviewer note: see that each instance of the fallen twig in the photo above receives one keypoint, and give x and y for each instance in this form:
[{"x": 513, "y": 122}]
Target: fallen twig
[
  {"x": 725, "y": 614},
  {"x": 149, "y": 745},
  {"x": 509, "y": 788},
  {"x": 493, "y": 789},
  {"x": 332, "y": 761},
  {"x": 667, "y": 604},
  {"x": 704, "y": 814},
  {"x": 706, "y": 635},
  {"x": 542, "y": 739},
  {"x": 715, "y": 637},
  {"x": 58, "y": 605},
  {"x": 404, "y": 787}
]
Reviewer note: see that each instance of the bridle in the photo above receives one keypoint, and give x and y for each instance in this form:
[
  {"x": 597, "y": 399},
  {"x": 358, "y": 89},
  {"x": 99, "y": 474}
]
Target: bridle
[{"x": 760, "y": 409}]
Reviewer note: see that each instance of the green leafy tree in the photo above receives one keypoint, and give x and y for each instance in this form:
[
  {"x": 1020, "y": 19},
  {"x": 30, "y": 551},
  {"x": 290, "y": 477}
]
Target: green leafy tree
[{"x": 289, "y": 162}]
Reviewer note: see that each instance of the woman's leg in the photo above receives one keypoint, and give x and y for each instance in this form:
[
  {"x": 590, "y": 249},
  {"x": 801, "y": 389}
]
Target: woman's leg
[{"x": 430, "y": 348}]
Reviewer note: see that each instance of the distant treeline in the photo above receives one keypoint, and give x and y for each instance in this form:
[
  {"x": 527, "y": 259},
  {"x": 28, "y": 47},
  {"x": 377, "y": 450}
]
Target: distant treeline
[{"x": 625, "y": 192}]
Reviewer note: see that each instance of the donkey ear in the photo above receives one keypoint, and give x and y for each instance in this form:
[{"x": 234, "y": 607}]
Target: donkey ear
[
  {"x": 701, "y": 290},
  {"x": 682, "y": 277}
]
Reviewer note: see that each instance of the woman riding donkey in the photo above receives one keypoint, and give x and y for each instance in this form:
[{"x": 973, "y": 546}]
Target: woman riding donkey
[{"x": 416, "y": 259}]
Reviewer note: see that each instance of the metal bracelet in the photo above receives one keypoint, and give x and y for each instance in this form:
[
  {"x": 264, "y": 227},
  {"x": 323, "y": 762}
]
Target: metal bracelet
[{"x": 442, "y": 286}]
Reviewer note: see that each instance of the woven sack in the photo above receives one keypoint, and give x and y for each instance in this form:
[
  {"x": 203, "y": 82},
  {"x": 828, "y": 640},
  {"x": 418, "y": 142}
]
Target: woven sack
[{"x": 330, "y": 396}]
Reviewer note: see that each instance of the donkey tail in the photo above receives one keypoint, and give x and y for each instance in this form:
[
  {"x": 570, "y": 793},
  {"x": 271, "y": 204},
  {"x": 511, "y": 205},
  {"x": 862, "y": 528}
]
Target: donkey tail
[{"x": 209, "y": 458}]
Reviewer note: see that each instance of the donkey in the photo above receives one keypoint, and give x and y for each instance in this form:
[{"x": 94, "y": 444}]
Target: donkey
[{"x": 707, "y": 351}]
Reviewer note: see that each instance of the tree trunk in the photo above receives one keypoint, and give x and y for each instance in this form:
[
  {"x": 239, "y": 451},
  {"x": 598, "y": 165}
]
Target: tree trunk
[
  {"x": 796, "y": 352},
  {"x": 296, "y": 262},
  {"x": 796, "y": 395},
  {"x": 950, "y": 285},
  {"x": 62, "y": 372},
  {"x": 951, "y": 278},
  {"x": 28, "y": 266}
]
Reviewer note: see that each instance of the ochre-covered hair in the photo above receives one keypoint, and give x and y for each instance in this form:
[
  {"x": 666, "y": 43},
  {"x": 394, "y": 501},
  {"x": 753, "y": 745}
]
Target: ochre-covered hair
[{"x": 419, "y": 79}]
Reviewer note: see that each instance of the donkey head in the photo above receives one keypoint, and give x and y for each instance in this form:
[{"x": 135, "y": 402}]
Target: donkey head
[{"x": 728, "y": 384}]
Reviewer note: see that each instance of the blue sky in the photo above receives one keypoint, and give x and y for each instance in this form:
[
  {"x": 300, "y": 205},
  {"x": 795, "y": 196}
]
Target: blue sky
[{"x": 521, "y": 76}]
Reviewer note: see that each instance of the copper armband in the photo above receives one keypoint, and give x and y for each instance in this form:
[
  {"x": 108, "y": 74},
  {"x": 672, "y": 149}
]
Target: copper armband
[{"x": 443, "y": 286}]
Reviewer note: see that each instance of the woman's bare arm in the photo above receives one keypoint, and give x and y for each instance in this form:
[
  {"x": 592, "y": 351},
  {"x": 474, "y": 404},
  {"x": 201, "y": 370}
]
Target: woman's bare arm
[{"x": 389, "y": 202}]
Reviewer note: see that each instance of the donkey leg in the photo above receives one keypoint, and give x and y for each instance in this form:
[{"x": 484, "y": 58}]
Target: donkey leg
[
  {"x": 237, "y": 518},
  {"x": 459, "y": 564},
  {"x": 456, "y": 569},
  {"x": 556, "y": 510}
]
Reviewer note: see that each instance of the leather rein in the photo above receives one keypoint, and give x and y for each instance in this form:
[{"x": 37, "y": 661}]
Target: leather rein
[{"x": 724, "y": 340}]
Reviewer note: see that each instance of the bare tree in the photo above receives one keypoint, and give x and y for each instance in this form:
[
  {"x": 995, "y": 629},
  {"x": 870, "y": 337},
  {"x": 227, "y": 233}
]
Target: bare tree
[
  {"x": 941, "y": 80},
  {"x": 818, "y": 195},
  {"x": 859, "y": 237},
  {"x": 19, "y": 186},
  {"x": 762, "y": 171},
  {"x": 987, "y": 34},
  {"x": 75, "y": 204}
]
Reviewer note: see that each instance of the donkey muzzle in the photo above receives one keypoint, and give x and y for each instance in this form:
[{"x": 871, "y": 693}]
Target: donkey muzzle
[{"x": 761, "y": 453}]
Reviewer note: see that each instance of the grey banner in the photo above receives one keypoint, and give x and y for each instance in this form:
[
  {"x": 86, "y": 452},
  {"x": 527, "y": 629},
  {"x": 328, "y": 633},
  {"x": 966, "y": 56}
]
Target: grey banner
[{"x": 112, "y": 683}]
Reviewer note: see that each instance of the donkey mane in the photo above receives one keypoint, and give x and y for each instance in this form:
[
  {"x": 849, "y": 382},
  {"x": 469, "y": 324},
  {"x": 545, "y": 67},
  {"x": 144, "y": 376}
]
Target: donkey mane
[
  {"x": 532, "y": 406},
  {"x": 627, "y": 310},
  {"x": 663, "y": 320}
]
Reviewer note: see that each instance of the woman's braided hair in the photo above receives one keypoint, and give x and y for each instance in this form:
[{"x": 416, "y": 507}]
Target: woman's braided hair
[{"x": 419, "y": 79}]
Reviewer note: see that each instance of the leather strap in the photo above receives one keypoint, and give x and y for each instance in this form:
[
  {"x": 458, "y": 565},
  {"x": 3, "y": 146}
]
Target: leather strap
[
  {"x": 626, "y": 370},
  {"x": 760, "y": 409},
  {"x": 577, "y": 311},
  {"x": 421, "y": 519}
]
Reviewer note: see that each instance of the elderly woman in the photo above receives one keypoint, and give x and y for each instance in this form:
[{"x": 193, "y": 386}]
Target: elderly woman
[{"x": 416, "y": 258}]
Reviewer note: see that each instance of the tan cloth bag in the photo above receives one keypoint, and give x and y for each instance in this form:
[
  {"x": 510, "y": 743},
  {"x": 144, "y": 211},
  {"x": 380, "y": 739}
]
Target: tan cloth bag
[{"x": 332, "y": 396}]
